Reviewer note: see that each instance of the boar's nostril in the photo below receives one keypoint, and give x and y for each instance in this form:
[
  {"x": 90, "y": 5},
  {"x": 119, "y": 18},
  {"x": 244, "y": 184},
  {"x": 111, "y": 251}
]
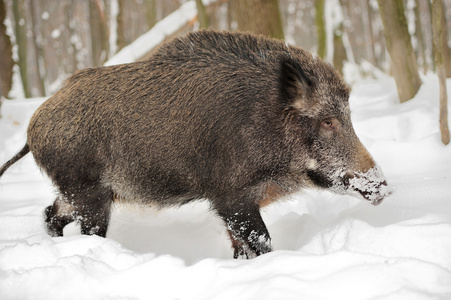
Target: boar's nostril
[
  {"x": 374, "y": 199},
  {"x": 371, "y": 185}
]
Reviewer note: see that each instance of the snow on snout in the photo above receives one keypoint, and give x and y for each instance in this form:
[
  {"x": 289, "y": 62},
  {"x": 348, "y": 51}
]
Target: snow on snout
[{"x": 371, "y": 185}]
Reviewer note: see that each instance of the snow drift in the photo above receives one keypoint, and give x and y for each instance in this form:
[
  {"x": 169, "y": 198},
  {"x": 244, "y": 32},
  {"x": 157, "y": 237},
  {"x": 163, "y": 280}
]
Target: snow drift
[{"x": 326, "y": 245}]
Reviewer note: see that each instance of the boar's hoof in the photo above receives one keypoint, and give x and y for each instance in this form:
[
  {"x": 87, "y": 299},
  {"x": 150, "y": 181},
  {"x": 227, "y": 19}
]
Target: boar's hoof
[{"x": 55, "y": 223}]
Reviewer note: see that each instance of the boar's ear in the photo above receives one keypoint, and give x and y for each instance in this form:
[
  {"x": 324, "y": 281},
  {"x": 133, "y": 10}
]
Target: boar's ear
[{"x": 296, "y": 85}]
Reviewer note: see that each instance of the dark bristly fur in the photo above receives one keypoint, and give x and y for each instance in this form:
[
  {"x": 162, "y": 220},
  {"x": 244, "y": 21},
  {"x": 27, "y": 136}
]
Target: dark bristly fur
[{"x": 238, "y": 119}]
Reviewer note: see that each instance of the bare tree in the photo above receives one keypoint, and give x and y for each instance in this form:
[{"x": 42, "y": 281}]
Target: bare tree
[
  {"x": 35, "y": 46},
  {"x": 99, "y": 36},
  {"x": 6, "y": 60},
  {"x": 399, "y": 46},
  {"x": 259, "y": 16},
  {"x": 421, "y": 46},
  {"x": 55, "y": 38},
  {"x": 445, "y": 48},
  {"x": 120, "y": 25},
  {"x": 151, "y": 12},
  {"x": 339, "y": 54},
  {"x": 339, "y": 50},
  {"x": 202, "y": 15},
  {"x": 320, "y": 28},
  {"x": 72, "y": 50},
  {"x": 437, "y": 28},
  {"x": 21, "y": 42}
]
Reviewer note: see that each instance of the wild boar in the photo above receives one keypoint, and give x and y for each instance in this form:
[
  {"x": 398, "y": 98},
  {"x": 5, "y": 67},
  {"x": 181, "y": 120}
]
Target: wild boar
[{"x": 238, "y": 119}]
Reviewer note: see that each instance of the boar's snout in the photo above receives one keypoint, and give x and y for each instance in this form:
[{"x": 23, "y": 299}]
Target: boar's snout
[
  {"x": 365, "y": 178},
  {"x": 371, "y": 185},
  {"x": 346, "y": 167},
  {"x": 368, "y": 180},
  {"x": 376, "y": 198}
]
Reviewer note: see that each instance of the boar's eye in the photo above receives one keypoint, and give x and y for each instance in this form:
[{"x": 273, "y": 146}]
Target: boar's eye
[{"x": 329, "y": 124}]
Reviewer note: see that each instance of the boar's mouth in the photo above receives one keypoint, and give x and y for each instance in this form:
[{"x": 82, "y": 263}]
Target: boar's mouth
[
  {"x": 371, "y": 185},
  {"x": 375, "y": 198}
]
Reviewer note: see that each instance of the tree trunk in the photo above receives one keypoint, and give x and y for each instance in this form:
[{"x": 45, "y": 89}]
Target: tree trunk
[
  {"x": 419, "y": 34},
  {"x": 21, "y": 42},
  {"x": 38, "y": 69},
  {"x": 431, "y": 34},
  {"x": 339, "y": 49},
  {"x": 120, "y": 26},
  {"x": 445, "y": 53},
  {"x": 6, "y": 58},
  {"x": 320, "y": 28},
  {"x": 202, "y": 15},
  {"x": 259, "y": 16},
  {"x": 437, "y": 26},
  {"x": 404, "y": 64},
  {"x": 232, "y": 23},
  {"x": 371, "y": 40},
  {"x": 151, "y": 13},
  {"x": 71, "y": 26},
  {"x": 99, "y": 38},
  {"x": 339, "y": 54}
]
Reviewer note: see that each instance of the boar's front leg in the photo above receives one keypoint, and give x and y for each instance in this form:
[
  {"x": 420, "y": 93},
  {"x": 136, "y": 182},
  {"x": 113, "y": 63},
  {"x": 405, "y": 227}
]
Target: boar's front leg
[{"x": 247, "y": 230}]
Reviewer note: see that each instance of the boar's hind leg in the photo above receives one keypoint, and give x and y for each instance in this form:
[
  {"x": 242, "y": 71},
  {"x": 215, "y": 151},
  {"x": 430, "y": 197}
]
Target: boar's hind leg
[
  {"x": 57, "y": 216},
  {"x": 247, "y": 231},
  {"x": 91, "y": 208},
  {"x": 95, "y": 212}
]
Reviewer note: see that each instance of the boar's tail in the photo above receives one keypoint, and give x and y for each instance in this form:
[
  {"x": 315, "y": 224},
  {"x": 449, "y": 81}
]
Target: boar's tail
[{"x": 13, "y": 160}]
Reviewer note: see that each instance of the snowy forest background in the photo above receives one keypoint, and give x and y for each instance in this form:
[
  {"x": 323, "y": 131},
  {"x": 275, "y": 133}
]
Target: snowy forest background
[
  {"x": 326, "y": 246},
  {"x": 47, "y": 40}
]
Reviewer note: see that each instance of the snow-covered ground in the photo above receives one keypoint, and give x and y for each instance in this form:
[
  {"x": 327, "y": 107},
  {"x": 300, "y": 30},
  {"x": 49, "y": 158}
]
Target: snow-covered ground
[{"x": 326, "y": 246}]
